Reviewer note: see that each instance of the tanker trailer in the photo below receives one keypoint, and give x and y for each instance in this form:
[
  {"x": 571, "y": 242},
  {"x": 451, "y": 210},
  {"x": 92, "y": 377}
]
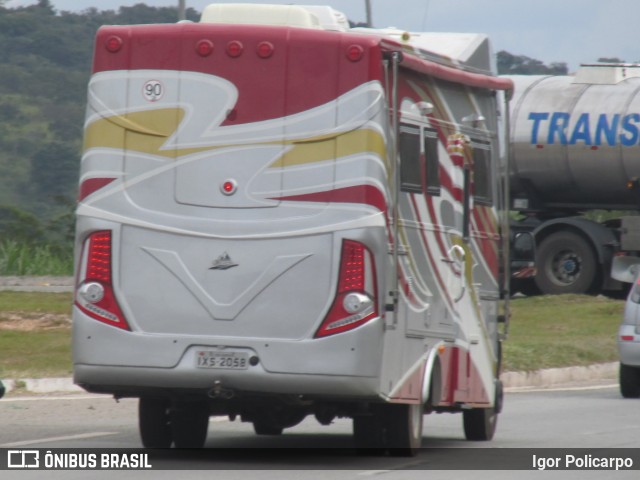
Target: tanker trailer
[{"x": 575, "y": 149}]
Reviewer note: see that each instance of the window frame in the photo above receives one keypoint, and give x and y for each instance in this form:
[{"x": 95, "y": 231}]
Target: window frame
[{"x": 420, "y": 168}]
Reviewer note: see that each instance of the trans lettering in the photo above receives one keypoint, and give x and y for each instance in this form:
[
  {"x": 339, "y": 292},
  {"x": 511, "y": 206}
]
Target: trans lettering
[{"x": 588, "y": 129}]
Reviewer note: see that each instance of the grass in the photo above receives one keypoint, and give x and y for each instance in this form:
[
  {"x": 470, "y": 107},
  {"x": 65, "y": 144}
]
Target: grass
[
  {"x": 561, "y": 331},
  {"x": 35, "y": 354},
  {"x": 58, "y": 303},
  {"x": 22, "y": 259},
  {"x": 545, "y": 332},
  {"x": 34, "y": 343}
]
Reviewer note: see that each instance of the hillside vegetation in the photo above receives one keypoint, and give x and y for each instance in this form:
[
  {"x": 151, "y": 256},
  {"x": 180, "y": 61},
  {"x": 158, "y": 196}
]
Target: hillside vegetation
[{"x": 45, "y": 64}]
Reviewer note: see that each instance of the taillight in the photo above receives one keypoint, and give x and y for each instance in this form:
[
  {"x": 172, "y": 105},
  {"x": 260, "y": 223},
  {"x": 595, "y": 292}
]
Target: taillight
[
  {"x": 94, "y": 293},
  {"x": 355, "y": 302}
]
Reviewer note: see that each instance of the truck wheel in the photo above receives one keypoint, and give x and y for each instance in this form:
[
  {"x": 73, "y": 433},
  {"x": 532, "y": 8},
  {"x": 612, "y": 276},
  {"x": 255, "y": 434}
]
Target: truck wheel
[
  {"x": 154, "y": 422},
  {"x": 479, "y": 423},
  {"x": 189, "y": 424},
  {"x": 629, "y": 381},
  {"x": 566, "y": 264},
  {"x": 403, "y": 426}
]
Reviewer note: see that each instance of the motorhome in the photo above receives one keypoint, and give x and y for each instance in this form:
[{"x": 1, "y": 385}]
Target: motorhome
[{"x": 282, "y": 216}]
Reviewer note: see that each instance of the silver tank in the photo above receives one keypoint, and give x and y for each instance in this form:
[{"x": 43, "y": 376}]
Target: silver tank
[{"x": 576, "y": 139}]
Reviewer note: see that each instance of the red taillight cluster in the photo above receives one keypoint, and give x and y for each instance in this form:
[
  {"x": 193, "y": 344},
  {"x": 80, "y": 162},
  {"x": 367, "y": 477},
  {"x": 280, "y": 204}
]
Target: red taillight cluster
[
  {"x": 352, "y": 267},
  {"x": 355, "y": 302},
  {"x": 94, "y": 292},
  {"x": 99, "y": 260}
]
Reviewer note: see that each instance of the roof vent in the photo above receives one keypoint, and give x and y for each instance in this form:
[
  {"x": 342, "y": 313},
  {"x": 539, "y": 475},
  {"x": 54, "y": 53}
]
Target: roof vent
[{"x": 258, "y": 14}]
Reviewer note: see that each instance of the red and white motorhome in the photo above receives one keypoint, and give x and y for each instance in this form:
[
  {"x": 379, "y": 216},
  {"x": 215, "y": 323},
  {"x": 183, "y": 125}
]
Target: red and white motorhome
[{"x": 281, "y": 216}]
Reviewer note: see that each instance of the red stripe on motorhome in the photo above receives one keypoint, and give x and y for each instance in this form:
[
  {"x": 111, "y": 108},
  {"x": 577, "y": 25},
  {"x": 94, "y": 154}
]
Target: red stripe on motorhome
[
  {"x": 461, "y": 380},
  {"x": 427, "y": 249},
  {"x": 363, "y": 194},
  {"x": 92, "y": 185}
]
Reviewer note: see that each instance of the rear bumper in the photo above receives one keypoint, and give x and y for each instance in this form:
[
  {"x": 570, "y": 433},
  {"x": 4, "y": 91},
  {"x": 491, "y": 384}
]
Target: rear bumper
[
  {"x": 111, "y": 360},
  {"x": 136, "y": 382}
]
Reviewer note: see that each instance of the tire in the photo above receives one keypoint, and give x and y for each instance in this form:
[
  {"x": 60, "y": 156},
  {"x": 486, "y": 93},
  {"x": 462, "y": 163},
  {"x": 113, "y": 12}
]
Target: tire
[
  {"x": 154, "y": 422},
  {"x": 566, "y": 264},
  {"x": 403, "y": 427},
  {"x": 629, "y": 381},
  {"x": 479, "y": 423},
  {"x": 189, "y": 424},
  {"x": 265, "y": 428},
  {"x": 368, "y": 435}
]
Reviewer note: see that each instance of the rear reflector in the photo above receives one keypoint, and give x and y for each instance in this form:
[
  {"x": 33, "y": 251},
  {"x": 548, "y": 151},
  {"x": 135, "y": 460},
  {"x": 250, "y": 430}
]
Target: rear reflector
[
  {"x": 265, "y": 49},
  {"x": 235, "y": 48},
  {"x": 113, "y": 44},
  {"x": 204, "y": 48},
  {"x": 92, "y": 185},
  {"x": 355, "y": 302},
  {"x": 627, "y": 338},
  {"x": 94, "y": 291},
  {"x": 355, "y": 53}
]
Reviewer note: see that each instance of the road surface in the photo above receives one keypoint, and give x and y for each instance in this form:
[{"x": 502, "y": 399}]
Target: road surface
[{"x": 593, "y": 418}]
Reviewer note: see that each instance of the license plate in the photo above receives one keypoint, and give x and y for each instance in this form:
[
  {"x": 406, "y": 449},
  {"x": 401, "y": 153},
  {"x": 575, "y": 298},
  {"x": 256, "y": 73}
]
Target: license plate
[{"x": 224, "y": 360}]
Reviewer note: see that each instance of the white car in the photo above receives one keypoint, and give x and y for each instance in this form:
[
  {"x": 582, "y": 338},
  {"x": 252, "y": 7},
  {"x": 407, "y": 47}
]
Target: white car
[{"x": 629, "y": 345}]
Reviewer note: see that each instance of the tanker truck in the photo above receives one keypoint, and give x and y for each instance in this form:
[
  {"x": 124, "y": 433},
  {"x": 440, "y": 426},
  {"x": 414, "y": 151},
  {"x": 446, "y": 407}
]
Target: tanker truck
[{"x": 575, "y": 150}]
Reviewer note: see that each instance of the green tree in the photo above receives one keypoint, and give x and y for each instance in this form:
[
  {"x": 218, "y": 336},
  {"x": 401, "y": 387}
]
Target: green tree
[
  {"x": 19, "y": 225},
  {"x": 610, "y": 60},
  {"x": 54, "y": 170},
  {"x": 509, "y": 64}
]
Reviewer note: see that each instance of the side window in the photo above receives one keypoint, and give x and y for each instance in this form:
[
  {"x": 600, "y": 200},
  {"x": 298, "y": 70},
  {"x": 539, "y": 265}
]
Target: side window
[
  {"x": 409, "y": 143},
  {"x": 482, "y": 193},
  {"x": 432, "y": 162}
]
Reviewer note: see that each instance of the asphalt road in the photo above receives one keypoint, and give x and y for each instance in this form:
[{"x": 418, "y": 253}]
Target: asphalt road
[{"x": 581, "y": 418}]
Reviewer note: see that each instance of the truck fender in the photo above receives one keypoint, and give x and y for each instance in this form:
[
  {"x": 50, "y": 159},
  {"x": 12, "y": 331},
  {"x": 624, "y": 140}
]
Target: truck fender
[
  {"x": 598, "y": 235},
  {"x": 432, "y": 368}
]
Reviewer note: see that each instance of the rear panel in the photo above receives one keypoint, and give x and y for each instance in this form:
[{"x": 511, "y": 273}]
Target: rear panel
[{"x": 229, "y": 163}]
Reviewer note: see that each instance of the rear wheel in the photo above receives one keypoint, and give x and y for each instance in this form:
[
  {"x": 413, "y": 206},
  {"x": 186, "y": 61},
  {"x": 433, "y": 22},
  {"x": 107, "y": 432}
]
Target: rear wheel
[
  {"x": 189, "y": 424},
  {"x": 394, "y": 427},
  {"x": 266, "y": 428},
  {"x": 566, "y": 264},
  {"x": 629, "y": 381},
  {"x": 368, "y": 435},
  {"x": 403, "y": 426},
  {"x": 479, "y": 423},
  {"x": 154, "y": 421}
]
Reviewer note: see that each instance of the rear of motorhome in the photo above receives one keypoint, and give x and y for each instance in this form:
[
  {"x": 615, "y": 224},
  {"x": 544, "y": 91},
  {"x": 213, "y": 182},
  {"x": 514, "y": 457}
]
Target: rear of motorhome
[{"x": 280, "y": 216}]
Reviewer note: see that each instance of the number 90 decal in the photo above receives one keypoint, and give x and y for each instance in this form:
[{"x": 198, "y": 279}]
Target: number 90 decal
[{"x": 153, "y": 90}]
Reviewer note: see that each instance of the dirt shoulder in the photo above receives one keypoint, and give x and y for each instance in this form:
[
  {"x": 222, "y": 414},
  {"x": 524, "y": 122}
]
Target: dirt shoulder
[
  {"x": 33, "y": 321},
  {"x": 37, "y": 284}
]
